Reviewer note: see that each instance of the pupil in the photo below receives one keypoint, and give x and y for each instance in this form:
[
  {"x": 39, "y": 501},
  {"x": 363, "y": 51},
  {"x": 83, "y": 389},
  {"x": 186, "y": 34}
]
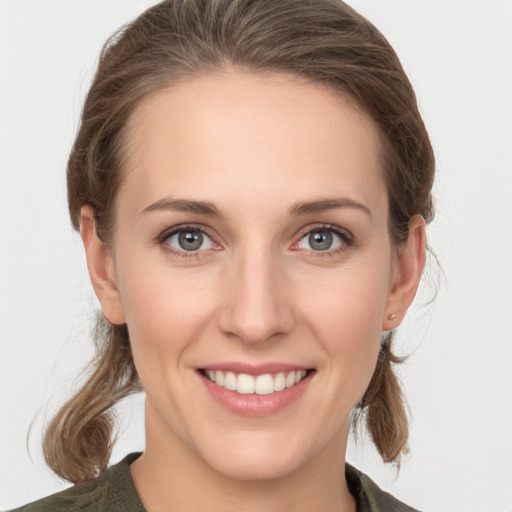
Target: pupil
[
  {"x": 191, "y": 240},
  {"x": 320, "y": 240}
]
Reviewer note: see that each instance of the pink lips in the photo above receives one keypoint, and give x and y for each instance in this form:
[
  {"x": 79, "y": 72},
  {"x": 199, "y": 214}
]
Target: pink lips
[
  {"x": 254, "y": 404},
  {"x": 259, "y": 369}
]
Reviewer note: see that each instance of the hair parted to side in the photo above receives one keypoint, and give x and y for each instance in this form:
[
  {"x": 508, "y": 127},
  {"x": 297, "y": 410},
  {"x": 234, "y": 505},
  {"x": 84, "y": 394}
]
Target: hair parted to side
[{"x": 324, "y": 41}]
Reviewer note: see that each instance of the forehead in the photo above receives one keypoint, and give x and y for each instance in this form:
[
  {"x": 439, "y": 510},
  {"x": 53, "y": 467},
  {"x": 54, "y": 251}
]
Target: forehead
[{"x": 242, "y": 134}]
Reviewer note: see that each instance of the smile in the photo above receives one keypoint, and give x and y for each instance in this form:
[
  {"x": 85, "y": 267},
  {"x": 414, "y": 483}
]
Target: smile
[{"x": 245, "y": 384}]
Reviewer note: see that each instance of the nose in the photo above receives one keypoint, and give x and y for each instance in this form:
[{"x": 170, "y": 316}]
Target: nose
[{"x": 256, "y": 307}]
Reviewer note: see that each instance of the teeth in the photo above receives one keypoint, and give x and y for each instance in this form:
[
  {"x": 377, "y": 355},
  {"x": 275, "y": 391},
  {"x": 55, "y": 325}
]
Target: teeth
[
  {"x": 299, "y": 376},
  {"x": 279, "y": 382},
  {"x": 264, "y": 384},
  {"x": 260, "y": 385},
  {"x": 245, "y": 384},
  {"x": 219, "y": 378},
  {"x": 230, "y": 381}
]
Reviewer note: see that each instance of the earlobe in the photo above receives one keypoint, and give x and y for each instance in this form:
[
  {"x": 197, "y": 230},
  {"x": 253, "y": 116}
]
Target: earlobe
[
  {"x": 410, "y": 262},
  {"x": 101, "y": 268}
]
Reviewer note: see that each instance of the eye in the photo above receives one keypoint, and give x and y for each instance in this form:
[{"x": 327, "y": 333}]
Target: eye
[
  {"x": 189, "y": 240},
  {"x": 323, "y": 239}
]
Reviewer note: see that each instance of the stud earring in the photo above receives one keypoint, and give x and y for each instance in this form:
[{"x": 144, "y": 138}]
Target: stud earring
[{"x": 392, "y": 316}]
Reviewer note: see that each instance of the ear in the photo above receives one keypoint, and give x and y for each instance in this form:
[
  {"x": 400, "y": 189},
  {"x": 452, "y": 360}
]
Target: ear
[
  {"x": 101, "y": 268},
  {"x": 410, "y": 260}
]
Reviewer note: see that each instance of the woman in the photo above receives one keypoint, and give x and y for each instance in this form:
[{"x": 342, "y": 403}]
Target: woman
[{"x": 251, "y": 181}]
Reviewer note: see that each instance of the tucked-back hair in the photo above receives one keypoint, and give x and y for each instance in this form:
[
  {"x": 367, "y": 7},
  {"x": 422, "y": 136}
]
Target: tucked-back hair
[{"x": 324, "y": 41}]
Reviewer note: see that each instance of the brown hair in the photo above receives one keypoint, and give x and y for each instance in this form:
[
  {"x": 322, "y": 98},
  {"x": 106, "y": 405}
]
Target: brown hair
[{"x": 324, "y": 41}]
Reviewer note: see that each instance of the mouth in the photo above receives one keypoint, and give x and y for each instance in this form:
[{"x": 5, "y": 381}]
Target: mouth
[
  {"x": 263, "y": 384},
  {"x": 255, "y": 390}
]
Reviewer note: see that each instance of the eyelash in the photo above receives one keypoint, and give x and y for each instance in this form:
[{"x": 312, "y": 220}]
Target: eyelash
[
  {"x": 347, "y": 240},
  {"x": 162, "y": 239},
  {"x": 346, "y": 237}
]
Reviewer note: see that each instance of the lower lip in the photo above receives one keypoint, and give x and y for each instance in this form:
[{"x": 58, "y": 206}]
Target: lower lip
[{"x": 256, "y": 405}]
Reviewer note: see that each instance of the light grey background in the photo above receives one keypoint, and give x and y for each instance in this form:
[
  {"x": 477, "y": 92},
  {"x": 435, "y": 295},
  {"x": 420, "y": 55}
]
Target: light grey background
[{"x": 458, "y": 54}]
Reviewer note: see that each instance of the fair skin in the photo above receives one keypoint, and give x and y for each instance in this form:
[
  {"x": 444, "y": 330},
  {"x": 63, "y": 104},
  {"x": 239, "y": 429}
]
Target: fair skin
[{"x": 283, "y": 263}]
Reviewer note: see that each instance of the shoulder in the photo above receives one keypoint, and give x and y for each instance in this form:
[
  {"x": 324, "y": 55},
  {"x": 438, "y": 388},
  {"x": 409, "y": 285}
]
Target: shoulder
[
  {"x": 112, "y": 491},
  {"x": 369, "y": 496}
]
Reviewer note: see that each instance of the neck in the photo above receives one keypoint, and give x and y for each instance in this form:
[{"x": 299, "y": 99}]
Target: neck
[{"x": 170, "y": 475}]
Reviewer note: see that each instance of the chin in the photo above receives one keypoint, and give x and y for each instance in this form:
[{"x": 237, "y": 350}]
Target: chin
[
  {"x": 266, "y": 467},
  {"x": 257, "y": 457}
]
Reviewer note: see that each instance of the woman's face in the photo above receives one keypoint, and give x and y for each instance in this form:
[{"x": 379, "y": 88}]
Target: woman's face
[{"x": 251, "y": 248}]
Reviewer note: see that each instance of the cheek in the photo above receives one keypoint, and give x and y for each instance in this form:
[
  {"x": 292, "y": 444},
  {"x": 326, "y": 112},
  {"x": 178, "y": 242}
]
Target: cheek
[
  {"x": 348, "y": 302},
  {"x": 344, "y": 311},
  {"x": 165, "y": 312}
]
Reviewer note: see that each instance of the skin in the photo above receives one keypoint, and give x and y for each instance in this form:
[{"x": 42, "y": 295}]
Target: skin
[{"x": 254, "y": 147}]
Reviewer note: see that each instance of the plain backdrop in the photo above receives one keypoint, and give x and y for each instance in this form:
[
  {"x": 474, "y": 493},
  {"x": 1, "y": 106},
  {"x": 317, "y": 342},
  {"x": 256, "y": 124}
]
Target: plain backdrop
[{"x": 458, "y": 379}]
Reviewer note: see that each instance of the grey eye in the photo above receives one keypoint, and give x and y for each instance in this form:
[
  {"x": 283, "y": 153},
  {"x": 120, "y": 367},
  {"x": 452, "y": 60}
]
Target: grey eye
[
  {"x": 320, "y": 240},
  {"x": 190, "y": 240}
]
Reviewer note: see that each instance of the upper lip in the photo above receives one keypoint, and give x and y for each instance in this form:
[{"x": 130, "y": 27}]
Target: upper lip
[{"x": 254, "y": 369}]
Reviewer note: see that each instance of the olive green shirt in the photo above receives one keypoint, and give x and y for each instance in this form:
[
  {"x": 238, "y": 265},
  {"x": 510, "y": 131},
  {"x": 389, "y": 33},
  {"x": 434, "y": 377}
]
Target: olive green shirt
[{"x": 113, "y": 491}]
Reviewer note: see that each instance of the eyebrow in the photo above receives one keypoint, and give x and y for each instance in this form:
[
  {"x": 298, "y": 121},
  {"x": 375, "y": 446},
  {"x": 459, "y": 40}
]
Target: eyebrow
[
  {"x": 300, "y": 208},
  {"x": 321, "y": 205},
  {"x": 184, "y": 205}
]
